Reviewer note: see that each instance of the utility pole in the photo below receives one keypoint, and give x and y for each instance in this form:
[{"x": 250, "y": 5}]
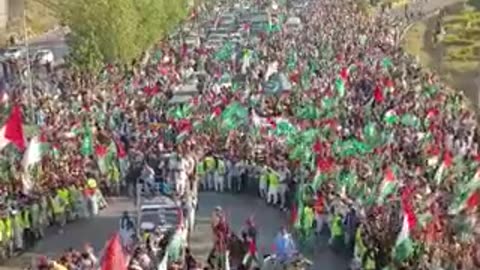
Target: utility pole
[
  {"x": 138, "y": 206},
  {"x": 29, "y": 68}
]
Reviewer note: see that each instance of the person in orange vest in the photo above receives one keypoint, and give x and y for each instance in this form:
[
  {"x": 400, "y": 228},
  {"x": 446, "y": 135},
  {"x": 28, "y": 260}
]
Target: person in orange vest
[{"x": 320, "y": 214}]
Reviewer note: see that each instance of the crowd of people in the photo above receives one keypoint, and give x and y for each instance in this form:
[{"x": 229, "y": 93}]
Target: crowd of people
[{"x": 362, "y": 135}]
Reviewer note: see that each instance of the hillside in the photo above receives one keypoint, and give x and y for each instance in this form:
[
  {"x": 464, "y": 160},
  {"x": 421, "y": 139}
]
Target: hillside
[{"x": 39, "y": 18}]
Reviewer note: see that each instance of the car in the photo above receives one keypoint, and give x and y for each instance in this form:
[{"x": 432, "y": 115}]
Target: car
[
  {"x": 44, "y": 57},
  {"x": 294, "y": 24},
  {"x": 160, "y": 212},
  {"x": 16, "y": 52}
]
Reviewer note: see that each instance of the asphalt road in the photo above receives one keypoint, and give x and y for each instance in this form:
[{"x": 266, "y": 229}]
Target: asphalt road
[
  {"x": 54, "y": 41},
  {"x": 268, "y": 221},
  {"x": 94, "y": 231},
  {"x": 238, "y": 208}
]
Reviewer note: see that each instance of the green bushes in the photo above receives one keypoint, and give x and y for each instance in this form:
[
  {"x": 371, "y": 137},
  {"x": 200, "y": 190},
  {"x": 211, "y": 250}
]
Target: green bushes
[
  {"x": 462, "y": 38},
  {"x": 116, "y": 31}
]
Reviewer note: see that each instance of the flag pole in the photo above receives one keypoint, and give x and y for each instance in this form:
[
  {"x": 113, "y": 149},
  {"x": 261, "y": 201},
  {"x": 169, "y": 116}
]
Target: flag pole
[{"x": 29, "y": 68}]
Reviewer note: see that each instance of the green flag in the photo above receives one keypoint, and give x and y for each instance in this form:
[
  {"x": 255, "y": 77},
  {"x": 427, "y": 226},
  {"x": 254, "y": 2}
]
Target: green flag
[
  {"x": 340, "y": 87},
  {"x": 87, "y": 143}
]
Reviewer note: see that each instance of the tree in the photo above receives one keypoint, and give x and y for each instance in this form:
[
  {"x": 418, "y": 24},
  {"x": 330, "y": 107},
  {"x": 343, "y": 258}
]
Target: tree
[{"x": 117, "y": 31}]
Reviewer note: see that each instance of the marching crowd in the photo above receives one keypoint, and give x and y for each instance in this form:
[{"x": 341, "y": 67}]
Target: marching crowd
[{"x": 362, "y": 141}]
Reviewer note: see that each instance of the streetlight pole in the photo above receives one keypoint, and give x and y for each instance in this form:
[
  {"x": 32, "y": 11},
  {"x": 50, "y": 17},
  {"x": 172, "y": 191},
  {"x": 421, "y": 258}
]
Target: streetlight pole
[{"x": 29, "y": 68}]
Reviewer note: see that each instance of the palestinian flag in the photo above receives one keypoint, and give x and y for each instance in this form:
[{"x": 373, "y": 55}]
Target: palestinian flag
[
  {"x": 75, "y": 130},
  {"x": 404, "y": 244},
  {"x": 433, "y": 154},
  {"x": 216, "y": 112},
  {"x": 390, "y": 117},
  {"x": 389, "y": 85},
  {"x": 444, "y": 167},
  {"x": 263, "y": 123},
  {"x": 388, "y": 186},
  {"x": 101, "y": 152},
  {"x": 122, "y": 157},
  {"x": 33, "y": 155},
  {"x": 184, "y": 128},
  {"x": 469, "y": 197},
  {"x": 35, "y": 150}
]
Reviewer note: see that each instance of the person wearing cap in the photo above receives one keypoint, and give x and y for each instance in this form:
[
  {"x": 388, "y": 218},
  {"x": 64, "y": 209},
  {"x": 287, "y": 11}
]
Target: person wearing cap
[
  {"x": 210, "y": 166},
  {"x": 91, "y": 201}
]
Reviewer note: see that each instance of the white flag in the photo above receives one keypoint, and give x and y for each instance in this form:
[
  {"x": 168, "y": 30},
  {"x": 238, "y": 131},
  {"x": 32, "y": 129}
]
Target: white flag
[
  {"x": 164, "y": 263},
  {"x": 227, "y": 260},
  {"x": 33, "y": 153}
]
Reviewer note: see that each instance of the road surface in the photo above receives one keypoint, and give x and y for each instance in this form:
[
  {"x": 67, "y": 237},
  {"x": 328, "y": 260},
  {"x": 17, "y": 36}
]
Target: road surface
[
  {"x": 268, "y": 220},
  {"x": 94, "y": 231},
  {"x": 237, "y": 207},
  {"x": 54, "y": 41}
]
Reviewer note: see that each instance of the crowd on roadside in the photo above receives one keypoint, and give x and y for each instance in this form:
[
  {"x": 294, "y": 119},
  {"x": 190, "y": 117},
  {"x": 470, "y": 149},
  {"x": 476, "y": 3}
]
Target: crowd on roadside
[{"x": 363, "y": 127}]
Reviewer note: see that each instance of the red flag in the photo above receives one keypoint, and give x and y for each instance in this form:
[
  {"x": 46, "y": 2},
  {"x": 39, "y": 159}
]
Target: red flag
[
  {"x": 12, "y": 131},
  {"x": 447, "y": 159},
  {"x": 317, "y": 147},
  {"x": 101, "y": 150},
  {"x": 344, "y": 74},
  {"x": 121, "y": 153},
  {"x": 114, "y": 258},
  {"x": 378, "y": 94},
  {"x": 473, "y": 200},
  {"x": 325, "y": 164}
]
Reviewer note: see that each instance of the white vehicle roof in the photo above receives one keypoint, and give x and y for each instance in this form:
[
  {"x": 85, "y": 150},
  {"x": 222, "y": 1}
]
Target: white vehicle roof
[
  {"x": 158, "y": 212},
  {"x": 294, "y": 21},
  {"x": 179, "y": 99},
  {"x": 158, "y": 201}
]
